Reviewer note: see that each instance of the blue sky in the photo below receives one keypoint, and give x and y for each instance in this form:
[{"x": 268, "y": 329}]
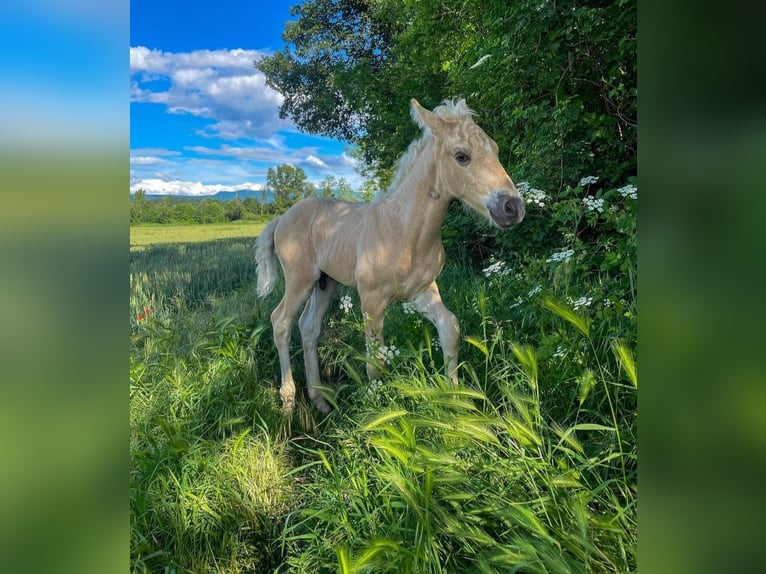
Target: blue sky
[{"x": 202, "y": 119}]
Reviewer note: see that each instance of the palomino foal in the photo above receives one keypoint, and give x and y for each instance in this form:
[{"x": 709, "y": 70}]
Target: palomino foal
[{"x": 389, "y": 248}]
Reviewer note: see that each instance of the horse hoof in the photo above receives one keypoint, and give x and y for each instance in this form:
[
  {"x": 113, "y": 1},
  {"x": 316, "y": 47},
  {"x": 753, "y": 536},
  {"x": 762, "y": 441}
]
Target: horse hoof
[{"x": 287, "y": 408}]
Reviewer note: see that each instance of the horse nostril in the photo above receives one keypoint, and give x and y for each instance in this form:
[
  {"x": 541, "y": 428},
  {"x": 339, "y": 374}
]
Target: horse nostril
[{"x": 510, "y": 207}]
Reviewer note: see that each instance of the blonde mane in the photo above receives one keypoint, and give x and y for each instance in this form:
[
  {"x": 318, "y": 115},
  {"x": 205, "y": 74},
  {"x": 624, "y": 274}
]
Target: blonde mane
[{"x": 449, "y": 110}]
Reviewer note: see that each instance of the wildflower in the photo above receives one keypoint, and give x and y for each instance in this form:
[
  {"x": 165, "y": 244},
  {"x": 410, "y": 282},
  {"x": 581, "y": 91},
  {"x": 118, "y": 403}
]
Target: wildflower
[
  {"x": 588, "y": 180},
  {"x": 141, "y": 317},
  {"x": 535, "y": 291},
  {"x": 387, "y": 352},
  {"x": 345, "y": 303},
  {"x": 561, "y": 256},
  {"x": 437, "y": 344},
  {"x": 498, "y": 268},
  {"x": 373, "y": 387},
  {"x": 532, "y": 195},
  {"x": 582, "y": 302},
  {"x": 409, "y": 308},
  {"x": 560, "y": 352},
  {"x": 147, "y": 311},
  {"x": 629, "y": 190},
  {"x": 593, "y": 203}
]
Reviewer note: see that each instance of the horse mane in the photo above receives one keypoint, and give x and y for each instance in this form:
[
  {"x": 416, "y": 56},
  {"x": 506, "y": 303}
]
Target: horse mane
[{"x": 449, "y": 110}]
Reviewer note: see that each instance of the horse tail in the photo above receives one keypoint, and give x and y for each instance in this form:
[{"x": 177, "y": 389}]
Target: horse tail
[{"x": 264, "y": 259}]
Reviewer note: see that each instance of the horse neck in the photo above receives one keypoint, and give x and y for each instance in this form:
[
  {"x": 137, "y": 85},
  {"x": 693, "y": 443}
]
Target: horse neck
[{"x": 420, "y": 196}]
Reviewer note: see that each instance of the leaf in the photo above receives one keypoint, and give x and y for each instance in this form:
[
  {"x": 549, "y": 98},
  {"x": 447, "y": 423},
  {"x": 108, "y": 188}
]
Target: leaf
[
  {"x": 626, "y": 361},
  {"x": 568, "y": 315},
  {"x": 479, "y": 345},
  {"x": 384, "y": 418},
  {"x": 587, "y": 382},
  {"x": 344, "y": 564}
]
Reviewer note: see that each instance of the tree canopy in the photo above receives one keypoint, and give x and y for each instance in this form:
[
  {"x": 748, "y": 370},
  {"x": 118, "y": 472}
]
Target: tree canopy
[{"x": 553, "y": 82}]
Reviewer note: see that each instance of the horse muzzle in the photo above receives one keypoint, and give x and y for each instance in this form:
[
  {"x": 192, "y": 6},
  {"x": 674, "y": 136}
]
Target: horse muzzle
[{"x": 506, "y": 209}]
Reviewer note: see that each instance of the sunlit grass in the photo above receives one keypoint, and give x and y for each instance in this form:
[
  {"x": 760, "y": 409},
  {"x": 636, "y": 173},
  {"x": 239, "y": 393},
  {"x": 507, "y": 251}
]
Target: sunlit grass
[
  {"x": 146, "y": 234},
  {"x": 528, "y": 465}
]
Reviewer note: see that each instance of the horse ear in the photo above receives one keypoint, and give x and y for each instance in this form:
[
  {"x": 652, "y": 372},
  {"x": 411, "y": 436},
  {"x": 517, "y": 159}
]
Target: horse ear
[{"x": 423, "y": 117}]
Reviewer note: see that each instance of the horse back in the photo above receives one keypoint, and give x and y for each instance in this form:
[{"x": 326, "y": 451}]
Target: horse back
[{"x": 325, "y": 232}]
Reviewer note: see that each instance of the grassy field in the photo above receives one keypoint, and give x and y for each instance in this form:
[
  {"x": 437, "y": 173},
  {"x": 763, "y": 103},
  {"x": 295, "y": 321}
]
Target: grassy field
[
  {"x": 145, "y": 234},
  {"x": 529, "y": 466}
]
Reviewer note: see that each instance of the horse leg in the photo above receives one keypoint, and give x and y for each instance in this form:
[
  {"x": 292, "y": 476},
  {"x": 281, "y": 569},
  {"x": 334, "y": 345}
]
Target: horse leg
[
  {"x": 373, "y": 308},
  {"x": 282, "y": 320},
  {"x": 310, "y": 325},
  {"x": 429, "y": 303}
]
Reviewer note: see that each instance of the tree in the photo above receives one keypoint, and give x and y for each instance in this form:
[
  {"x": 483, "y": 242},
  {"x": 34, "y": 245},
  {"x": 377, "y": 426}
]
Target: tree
[
  {"x": 553, "y": 83},
  {"x": 234, "y": 209},
  {"x": 289, "y": 184},
  {"x": 345, "y": 191},
  {"x": 210, "y": 211},
  {"x": 138, "y": 206},
  {"x": 327, "y": 186},
  {"x": 185, "y": 212}
]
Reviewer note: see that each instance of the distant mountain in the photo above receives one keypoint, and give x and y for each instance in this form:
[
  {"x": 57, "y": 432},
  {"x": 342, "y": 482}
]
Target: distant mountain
[{"x": 220, "y": 196}]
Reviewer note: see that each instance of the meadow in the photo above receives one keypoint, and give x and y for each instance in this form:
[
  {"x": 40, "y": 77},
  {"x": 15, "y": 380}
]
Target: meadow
[
  {"x": 529, "y": 465},
  {"x": 152, "y": 234}
]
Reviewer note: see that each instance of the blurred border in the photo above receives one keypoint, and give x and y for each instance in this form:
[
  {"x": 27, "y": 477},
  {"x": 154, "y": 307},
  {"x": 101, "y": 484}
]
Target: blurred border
[
  {"x": 64, "y": 244},
  {"x": 702, "y": 166}
]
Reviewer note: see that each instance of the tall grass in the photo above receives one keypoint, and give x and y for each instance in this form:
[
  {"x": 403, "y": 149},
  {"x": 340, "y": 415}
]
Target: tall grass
[{"x": 528, "y": 465}]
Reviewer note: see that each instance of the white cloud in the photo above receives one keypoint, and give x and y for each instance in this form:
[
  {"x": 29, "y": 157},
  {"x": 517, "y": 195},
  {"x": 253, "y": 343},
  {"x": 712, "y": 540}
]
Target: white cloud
[
  {"x": 146, "y": 160},
  {"x": 178, "y": 187},
  {"x": 316, "y": 162},
  {"x": 221, "y": 85}
]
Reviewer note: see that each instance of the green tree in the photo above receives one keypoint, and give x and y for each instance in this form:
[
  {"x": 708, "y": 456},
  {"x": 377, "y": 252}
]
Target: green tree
[
  {"x": 289, "y": 184},
  {"x": 138, "y": 206},
  {"x": 553, "y": 83},
  {"x": 210, "y": 211},
  {"x": 185, "y": 212},
  {"x": 251, "y": 207},
  {"x": 345, "y": 191},
  {"x": 234, "y": 209},
  {"x": 327, "y": 186}
]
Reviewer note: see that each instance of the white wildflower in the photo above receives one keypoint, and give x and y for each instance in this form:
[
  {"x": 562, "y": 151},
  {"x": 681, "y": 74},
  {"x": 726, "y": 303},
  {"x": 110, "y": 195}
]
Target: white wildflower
[
  {"x": 535, "y": 291},
  {"x": 409, "y": 308},
  {"x": 532, "y": 195},
  {"x": 582, "y": 302},
  {"x": 594, "y": 203},
  {"x": 561, "y": 352},
  {"x": 436, "y": 344},
  {"x": 345, "y": 303},
  {"x": 498, "y": 268},
  {"x": 561, "y": 256},
  {"x": 588, "y": 180},
  {"x": 387, "y": 352},
  {"x": 518, "y": 301},
  {"x": 629, "y": 190}
]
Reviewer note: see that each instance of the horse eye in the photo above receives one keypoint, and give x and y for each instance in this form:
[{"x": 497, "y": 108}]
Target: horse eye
[{"x": 462, "y": 158}]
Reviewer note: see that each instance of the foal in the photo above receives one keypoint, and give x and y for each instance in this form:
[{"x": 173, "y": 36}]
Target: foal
[{"x": 389, "y": 249}]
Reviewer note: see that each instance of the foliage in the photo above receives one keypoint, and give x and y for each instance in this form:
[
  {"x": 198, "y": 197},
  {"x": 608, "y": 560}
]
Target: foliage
[
  {"x": 553, "y": 83},
  {"x": 289, "y": 185},
  {"x": 529, "y": 465}
]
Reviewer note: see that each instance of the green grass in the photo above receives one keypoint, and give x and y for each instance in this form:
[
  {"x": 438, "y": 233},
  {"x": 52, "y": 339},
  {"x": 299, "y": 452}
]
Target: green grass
[
  {"x": 529, "y": 465},
  {"x": 146, "y": 234}
]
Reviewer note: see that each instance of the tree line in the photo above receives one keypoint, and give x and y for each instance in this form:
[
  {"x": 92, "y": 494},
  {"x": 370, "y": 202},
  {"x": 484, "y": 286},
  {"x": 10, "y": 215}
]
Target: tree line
[{"x": 285, "y": 185}]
